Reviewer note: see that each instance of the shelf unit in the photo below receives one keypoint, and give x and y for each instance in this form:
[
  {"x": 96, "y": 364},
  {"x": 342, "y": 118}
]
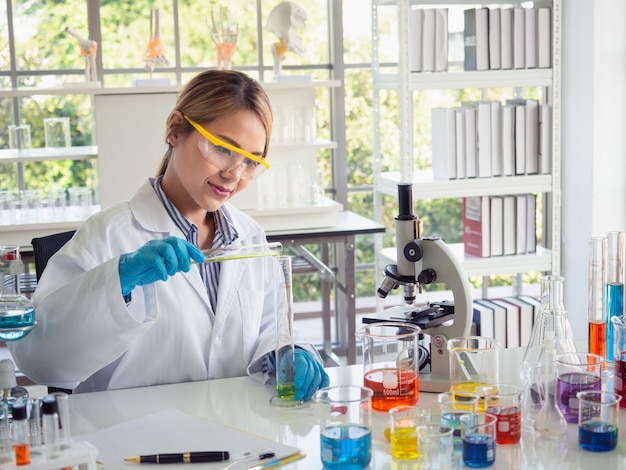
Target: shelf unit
[
  {"x": 547, "y": 258},
  {"x": 133, "y": 132}
]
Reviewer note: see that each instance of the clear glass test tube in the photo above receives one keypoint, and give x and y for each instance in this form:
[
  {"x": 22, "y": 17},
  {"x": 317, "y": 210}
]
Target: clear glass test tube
[
  {"x": 596, "y": 314},
  {"x": 613, "y": 283},
  {"x": 244, "y": 251}
]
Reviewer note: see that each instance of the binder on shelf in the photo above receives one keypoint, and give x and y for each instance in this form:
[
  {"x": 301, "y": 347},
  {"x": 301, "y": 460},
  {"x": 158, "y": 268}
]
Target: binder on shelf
[
  {"x": 496, "y": 225},
  {"x": 441, "y": 39},
  {"x": 545, "y": 139},
  {"x": 471, "y": 141},
  {"x": 512, "y": 315},
  {"x": 534, "y": 302},
  {"x": 508, "y": 221},
  {"x": 443, "y": 126},
  {"x": 461, "y": 159},
  {"x": 499, "y": 320},
  {"x": 476, "y": 226},
  {"x": 428, "y": 41},
  {"x": 508, "y": 140},
  {"x": 416, "y": 22},
  {"x": 531, "y": 38},
  {"x": 496, "y": 138},
  {"x": 484, "y": 139},
  {"x": 483, "y": 319},
  {"x": 519, "y": 38},
  {"x": 526, "y": 316},
  {"x": 482, "y": 39},
  {"x": 521, "y": 230},
  {"x": 531, "y": 224},
  {"x": 469, "y": 39},
  {"x": 495, "y": 39},
  {"x": 506, "y": 37},
  {"x": 544, "y": 37},
  {"x": 532, "y": 137},
  {"x": 520, "y": 139}
]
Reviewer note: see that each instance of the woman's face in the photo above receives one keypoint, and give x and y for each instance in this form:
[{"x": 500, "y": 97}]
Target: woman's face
[{"x": 195, "y": 184}]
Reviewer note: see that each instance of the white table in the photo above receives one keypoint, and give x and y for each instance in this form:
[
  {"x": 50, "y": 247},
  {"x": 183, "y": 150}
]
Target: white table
[{"x": 244, "y": 404}]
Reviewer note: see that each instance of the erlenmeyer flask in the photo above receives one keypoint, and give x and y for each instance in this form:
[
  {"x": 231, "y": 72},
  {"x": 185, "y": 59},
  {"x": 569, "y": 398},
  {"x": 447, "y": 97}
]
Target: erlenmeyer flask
[
  {"x": 17, "y": 314},
  {"x": 552, "y": 318}
]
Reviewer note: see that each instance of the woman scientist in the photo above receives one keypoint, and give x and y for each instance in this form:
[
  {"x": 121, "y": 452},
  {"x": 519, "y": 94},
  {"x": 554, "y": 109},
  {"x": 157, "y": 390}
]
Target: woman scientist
[{"x": 106, "y": 318}]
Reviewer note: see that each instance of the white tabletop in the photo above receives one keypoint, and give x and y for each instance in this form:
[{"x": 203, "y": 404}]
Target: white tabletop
[{"x": 244, "y": 404}]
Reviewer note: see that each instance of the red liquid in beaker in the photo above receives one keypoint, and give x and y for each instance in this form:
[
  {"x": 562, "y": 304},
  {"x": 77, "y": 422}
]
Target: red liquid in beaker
[{"x": 392, "y": 387}]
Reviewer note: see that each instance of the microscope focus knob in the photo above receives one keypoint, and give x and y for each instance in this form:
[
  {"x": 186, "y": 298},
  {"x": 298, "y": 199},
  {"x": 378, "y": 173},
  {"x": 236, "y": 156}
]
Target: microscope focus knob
[
  {"x": 413, "y": 252},
  {"x": 427, "y": 276}
]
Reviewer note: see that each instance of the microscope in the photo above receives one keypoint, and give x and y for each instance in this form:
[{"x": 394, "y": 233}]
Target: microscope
[{"x": 423, "y": 261}]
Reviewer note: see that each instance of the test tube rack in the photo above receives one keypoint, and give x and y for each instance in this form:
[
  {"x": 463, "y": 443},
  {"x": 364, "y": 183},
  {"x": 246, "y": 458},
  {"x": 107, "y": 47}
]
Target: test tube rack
[{"x": 81, "y": 455}]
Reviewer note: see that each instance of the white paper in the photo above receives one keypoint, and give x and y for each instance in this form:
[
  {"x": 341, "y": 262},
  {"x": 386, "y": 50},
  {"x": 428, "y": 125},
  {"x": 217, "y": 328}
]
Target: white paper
[{"x": 171, "y": 430}]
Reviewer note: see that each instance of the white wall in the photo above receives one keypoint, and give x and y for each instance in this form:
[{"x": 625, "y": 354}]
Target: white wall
[{"x": 593, "y": 139}]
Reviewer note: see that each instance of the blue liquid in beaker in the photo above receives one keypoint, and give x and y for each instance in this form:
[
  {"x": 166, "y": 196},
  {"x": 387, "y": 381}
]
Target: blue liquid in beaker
[
  {"x": 597, "y": 436},
  {"x": 479, "y": 450},
  {"x": 346, "y": 446}
]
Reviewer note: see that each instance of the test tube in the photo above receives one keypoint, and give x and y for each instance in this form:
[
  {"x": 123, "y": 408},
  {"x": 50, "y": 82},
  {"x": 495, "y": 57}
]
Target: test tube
[
  {"x": 613, "y": 284},
  {"x": 596, "y": 314},
  {"x": 285, "y": 347},
  {"x": 243, "y": 251}
]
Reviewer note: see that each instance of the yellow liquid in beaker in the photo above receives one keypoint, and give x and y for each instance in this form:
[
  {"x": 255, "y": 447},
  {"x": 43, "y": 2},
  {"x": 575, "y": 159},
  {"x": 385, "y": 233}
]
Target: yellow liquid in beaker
[
  {"x": 404, "y": 443},
  {"x": 473, "y": 387}
]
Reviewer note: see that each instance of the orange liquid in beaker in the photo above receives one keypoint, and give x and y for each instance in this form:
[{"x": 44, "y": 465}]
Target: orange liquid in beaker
[{"x": 392, "y": 387}]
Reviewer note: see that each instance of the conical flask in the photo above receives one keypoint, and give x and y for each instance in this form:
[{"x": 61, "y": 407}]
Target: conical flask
[
  {"x": 17, "y": 314},
  {"x": 552, "y": 322}
]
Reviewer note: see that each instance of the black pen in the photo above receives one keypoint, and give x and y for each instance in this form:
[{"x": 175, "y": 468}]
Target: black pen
[{"x": 185, "y": 457}]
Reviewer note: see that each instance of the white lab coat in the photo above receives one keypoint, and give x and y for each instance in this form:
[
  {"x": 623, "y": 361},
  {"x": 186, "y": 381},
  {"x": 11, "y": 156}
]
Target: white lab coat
[{"x": 88, "y": 339}]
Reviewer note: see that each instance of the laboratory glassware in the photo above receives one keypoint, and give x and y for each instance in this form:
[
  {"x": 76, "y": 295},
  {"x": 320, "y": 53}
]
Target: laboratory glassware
[
  {"x": 504, "y": 402},
  {"x": 7, "y": 454},
  {"x": 552, "y": 321},
  {"x": 391, "y": 363},
  {"x": 453, "y": 405},
  {"x": 21, "y": 441},
  {"x": 596, "y": 315},
  {"x": 473, "y": 365},
  {"x": 532, "y": 393},
  {"x": 576, "y": 372},
  {"x": 17, "y": 314},
  {"x": 618, "y": 324},
  {"x": 285, "y": 344},
  {"x": 478, "y": 433},
  {"x": 403, "y": 431},
  {"x": 228, "y": 253},
  {"x": 550, "y": 422},
  {"x": 598, "y": 420},
  {"x": 613, "y": 283},
  {"x": 345, "y": 413}
]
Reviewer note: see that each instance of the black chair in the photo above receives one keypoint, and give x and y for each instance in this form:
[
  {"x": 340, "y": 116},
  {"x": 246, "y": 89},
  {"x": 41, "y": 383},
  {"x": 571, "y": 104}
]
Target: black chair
[{"x": 45, "y": 247}]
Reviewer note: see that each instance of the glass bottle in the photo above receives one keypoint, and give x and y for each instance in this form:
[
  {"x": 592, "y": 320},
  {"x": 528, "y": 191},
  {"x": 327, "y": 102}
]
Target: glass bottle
[
  {"x": 552, "y": 321},
  {"x": 532, "y": 393},
  {"x": 17, "y": 314},
  {"x": 550, "y": 422},
  {"x": 613, "y": 285}
]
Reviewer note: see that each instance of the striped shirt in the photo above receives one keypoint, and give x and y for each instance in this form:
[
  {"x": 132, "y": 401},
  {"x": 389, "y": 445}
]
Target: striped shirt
[{"x": 225, "y": 234}]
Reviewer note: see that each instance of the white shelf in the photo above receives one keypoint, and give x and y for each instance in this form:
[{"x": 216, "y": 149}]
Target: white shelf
[
  {"x": 464, "y": 80},
  {"x": 475, "y": 266},
  {"x": 43, "y": 154},
  {"x": 425, "y": 188}
]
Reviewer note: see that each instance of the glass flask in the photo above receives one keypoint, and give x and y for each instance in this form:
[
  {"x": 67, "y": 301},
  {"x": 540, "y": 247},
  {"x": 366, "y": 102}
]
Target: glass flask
[
  {"x": 532, "y": 393},
  {"x": 552, "y": 321},
  {"x": 17, "y": 314}
]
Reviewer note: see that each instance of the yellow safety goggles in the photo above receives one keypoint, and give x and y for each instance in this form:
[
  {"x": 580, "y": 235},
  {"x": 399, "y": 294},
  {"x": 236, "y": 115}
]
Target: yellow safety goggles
[{"x": 215, "y": 141}]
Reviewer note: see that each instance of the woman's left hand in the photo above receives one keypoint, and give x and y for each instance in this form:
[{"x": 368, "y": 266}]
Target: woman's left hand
[{"x": 309, "y": 375}]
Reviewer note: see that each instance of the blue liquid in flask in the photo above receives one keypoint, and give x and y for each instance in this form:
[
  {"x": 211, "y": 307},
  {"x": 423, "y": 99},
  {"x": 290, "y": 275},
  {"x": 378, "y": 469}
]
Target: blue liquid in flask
[
  {"x": 15, "y": 321},
  {"x": 479, "y": 450},
  {"x": 346, "y": 446},
  {"x": 597, "y": 436}
]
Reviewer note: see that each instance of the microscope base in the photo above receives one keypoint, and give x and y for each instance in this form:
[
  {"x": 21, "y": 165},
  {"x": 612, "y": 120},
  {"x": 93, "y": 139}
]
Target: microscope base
[{"x": 430, "y": 383}]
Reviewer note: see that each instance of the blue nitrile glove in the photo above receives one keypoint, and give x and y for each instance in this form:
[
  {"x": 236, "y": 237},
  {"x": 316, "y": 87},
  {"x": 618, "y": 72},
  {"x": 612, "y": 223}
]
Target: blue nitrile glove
[
  {"x": 155, "y": 261},
  {"x": 309, "y": 375}
]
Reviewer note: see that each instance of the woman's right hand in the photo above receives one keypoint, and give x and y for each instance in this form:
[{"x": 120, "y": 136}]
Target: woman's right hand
[{"x": 156, "y": 261}]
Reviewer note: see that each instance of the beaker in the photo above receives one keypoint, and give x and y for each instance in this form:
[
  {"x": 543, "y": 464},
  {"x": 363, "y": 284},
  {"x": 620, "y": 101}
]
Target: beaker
[
  {"x": 391, "y": 363},
  {"x": 598, "y": 420},
  {"x": 576, "y": 372},
  {"x": 285, "y": 344},
  {"x": 473, "y": 365},
  {"x": 345, "y": 426},
  {"x": 17, "y": 314},
  {"x": 618, "y": 324},
  {"x": 552, "y": 318}
]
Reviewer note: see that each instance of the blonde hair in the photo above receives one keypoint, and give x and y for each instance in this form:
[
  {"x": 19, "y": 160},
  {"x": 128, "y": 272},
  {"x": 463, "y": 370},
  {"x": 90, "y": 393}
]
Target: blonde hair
[{"x": 214, "y": 94}]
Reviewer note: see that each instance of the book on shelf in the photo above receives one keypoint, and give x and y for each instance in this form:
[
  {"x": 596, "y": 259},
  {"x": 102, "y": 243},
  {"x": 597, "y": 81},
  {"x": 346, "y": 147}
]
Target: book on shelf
[
  {"x": 483, "y": 139},
  {"x": 482, "y": 39},
  {"x": 526, "y": 316},
  {"x": 506, "y": 36},
  {"x": 428, "y": 41},
  {"x": 496, "y": 225},
  {"x": 471, "y": 140},
  {"x": 544, "y": 37},
  {"x": 512, "y": 316},
  {"x": 532, "y": 137},
  {"x": 461, "y": 160},
  {"x": 495, "y": 39},
  {"x": 499, "y": 320},
  {"x": 496, "y": 138},
  {"x": 443, "y": 125},
  {"x": 530, "y": 23},
  {"x": 519, "y": 39},
  {"x": 534, "y": 301},
  {"x": 476, "y": 226},
  {"x": 521, "y": 231},
  {"x": 416, "y": 22},
  {"x": 508, "y": 140},
  {"x": 483, "y": 319},
  {"x": 520, "y": 139},
  {"x": 545, "y": 139},
  {"x": 441, "y": 39},
  {"x": 508, "y": 223},
  {"x": 469, "y": 39},
  {"x": 531, "y": 224}
]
